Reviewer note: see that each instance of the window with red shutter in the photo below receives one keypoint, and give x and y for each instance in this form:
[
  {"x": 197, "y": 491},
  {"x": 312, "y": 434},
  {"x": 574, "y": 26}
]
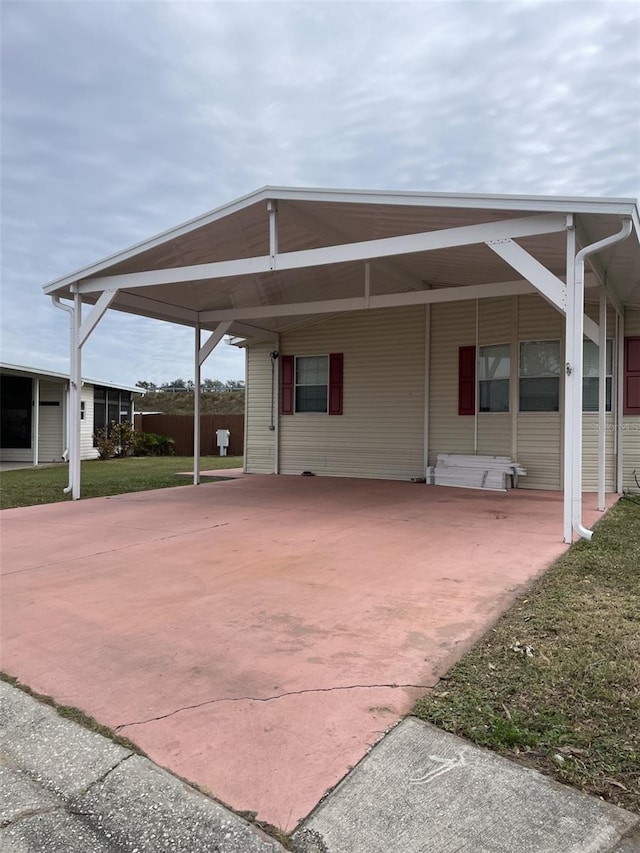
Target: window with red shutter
[
  {"x": 632, "y": 376},
  {"x": 311, "y": 384},
  {"x": 467, "y": 381}
]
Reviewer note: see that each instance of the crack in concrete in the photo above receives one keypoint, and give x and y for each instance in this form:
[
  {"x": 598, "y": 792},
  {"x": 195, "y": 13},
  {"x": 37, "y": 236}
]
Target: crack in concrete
[
  {"x": 271, "y": 699},
  {"x": 33, "y": 812},
  {"x": 105, "y": 775}
]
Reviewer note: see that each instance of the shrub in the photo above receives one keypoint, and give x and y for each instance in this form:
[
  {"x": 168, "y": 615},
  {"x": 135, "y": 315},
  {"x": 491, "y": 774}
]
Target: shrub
[
  {"x": 151, "y": 444},
  {"x": 115, "y": 440},
  {"x": 124, "y": 436},
  {"x": 105, "y": 442}
]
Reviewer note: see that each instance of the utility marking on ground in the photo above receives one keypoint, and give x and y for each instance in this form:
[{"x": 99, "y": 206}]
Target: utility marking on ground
[{"x": 443, "y": 765}]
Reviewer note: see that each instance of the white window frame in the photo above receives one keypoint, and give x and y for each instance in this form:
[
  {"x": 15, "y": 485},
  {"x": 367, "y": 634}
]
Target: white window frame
[{"x": 297, "y": 385}]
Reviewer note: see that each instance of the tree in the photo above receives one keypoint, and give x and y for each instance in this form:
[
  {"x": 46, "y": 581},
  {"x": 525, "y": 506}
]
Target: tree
[
  {"x": 147, "y": 386},
  {"x": 213, "y": 385}
]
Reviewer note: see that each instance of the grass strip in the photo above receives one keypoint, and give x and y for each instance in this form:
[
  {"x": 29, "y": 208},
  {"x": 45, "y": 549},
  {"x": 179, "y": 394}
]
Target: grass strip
[
  {"x": 555, "y": 683},
  {"x": 69, "y": 712},
  {"x": 102, "y": 478}
]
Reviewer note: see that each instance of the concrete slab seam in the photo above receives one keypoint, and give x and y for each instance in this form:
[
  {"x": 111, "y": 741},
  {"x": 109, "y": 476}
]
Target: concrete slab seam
[{"x": 119, "y": 548}]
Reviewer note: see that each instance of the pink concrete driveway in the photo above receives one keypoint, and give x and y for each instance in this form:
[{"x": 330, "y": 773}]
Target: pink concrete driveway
[{"x": 256, "y": 636}]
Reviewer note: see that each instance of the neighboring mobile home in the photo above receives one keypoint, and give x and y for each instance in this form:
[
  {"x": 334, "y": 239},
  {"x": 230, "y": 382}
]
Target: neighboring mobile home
[
  {"x": 384, "y": 328},
  {"x": 34, "y": 408}
]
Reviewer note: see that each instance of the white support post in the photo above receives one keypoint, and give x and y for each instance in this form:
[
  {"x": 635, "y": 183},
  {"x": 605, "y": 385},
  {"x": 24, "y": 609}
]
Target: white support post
[
  {"x": 196, "y": 408},
  {"x": 272, "y": 207},
  {"x": 619, "y": 417},
  {"x": 476, "y": 390},
  {"x": 246, "y": 410},
  {"x": 568, "y": 386},
  {"x": 36, "y": 420},
  {"x": 577, "y": 375},
  {"x": 578, "y": 334},
  {"x": 275, "y": 396},
  {"x": 76, "y": 398},
  {"x": 427, "y": 380},
  {"x": 602, "y": 400}
]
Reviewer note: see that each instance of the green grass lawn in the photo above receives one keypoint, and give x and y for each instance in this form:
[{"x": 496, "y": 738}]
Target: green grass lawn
[
  {"x": 28, "y": 486},
  {"x": 556, "y": 683}
]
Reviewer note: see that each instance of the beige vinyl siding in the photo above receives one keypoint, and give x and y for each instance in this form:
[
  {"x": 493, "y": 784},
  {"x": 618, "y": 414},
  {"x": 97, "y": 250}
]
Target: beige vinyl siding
[
  {"x": 51, "y": 427},
  {"x": 87, "y": 450},
  {"x": 631, "y": 423},
  {"x": 260, "y": 443},
  {"x": 494, "y": 433},
  {"x": 590, "y": 429},
  {"x": 539, "y": 434},
  {"x": 381, "y": 431},
  {"x": 452, "y": 325},
  {"x": 590, "y": 433}
]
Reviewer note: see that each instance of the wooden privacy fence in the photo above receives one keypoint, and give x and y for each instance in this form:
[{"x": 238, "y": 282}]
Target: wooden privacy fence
[{"x": 180, "y": 429}]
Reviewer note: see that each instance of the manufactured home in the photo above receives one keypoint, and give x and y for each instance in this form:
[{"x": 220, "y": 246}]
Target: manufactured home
[
  {"x": 34, "y": 408},
  {"x": 383, "y": 330}
]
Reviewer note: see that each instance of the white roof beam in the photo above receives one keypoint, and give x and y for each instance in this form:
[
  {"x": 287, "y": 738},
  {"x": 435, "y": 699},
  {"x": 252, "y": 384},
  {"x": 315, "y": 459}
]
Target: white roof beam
[
  {"x": 361, "y": 303},
  {"x": 95, "y": 315},
  {"x": 212, "y": 341},
  {"x": 550, "y": 286},
  {"x": 465, "y": 235},
  {"x": 592, "y": 330}
]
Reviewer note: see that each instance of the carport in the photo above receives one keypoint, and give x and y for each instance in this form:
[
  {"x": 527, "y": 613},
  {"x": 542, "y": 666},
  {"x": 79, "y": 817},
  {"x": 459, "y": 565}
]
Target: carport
[
  {"x": 257, "y": 636},
  {"x": 282, "y": 259}
]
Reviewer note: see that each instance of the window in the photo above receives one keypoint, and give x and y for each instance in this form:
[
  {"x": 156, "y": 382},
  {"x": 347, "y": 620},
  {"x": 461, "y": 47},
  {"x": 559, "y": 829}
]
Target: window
[
  {"x": 540, "y": 376},
  {"x": 109, "y": 406},
  {"x": 311, "y": 383},
  {"x": 590, "y": 381},
  {"x": 15, "y": 429},
  {"x": 494, "y": 368}
]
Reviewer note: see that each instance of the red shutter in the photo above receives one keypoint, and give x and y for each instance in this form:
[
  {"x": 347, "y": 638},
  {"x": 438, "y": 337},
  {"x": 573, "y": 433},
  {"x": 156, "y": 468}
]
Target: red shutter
[
  {"x": 467, "y": 381},
  {"x": 336, "y": 362},
  {"x": 632, "y": 376},
  {"x": 287, "y": 384}
]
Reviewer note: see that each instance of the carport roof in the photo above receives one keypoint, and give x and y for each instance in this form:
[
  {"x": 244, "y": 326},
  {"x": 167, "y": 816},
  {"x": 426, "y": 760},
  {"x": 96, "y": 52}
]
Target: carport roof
[{"x": 259, "y": 262}]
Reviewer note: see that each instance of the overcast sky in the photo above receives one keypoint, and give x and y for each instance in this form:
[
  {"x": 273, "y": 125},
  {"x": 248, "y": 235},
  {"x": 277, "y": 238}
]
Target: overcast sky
[{"x": 122, "y": 119}]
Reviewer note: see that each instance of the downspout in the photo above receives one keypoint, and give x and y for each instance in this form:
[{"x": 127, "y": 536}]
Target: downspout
[
  {"x": 578, "y": 334},
  {"x": 61, "y": 305}
]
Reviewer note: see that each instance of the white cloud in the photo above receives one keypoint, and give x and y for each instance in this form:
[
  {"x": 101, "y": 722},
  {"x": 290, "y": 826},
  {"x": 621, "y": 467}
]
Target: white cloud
[{"x": 122, "y": 119}]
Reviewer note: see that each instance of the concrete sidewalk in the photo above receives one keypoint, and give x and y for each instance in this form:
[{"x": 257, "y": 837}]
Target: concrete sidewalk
[
  {"x": 65, "y": 789},
  {"x": 422, "y": 790}
]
